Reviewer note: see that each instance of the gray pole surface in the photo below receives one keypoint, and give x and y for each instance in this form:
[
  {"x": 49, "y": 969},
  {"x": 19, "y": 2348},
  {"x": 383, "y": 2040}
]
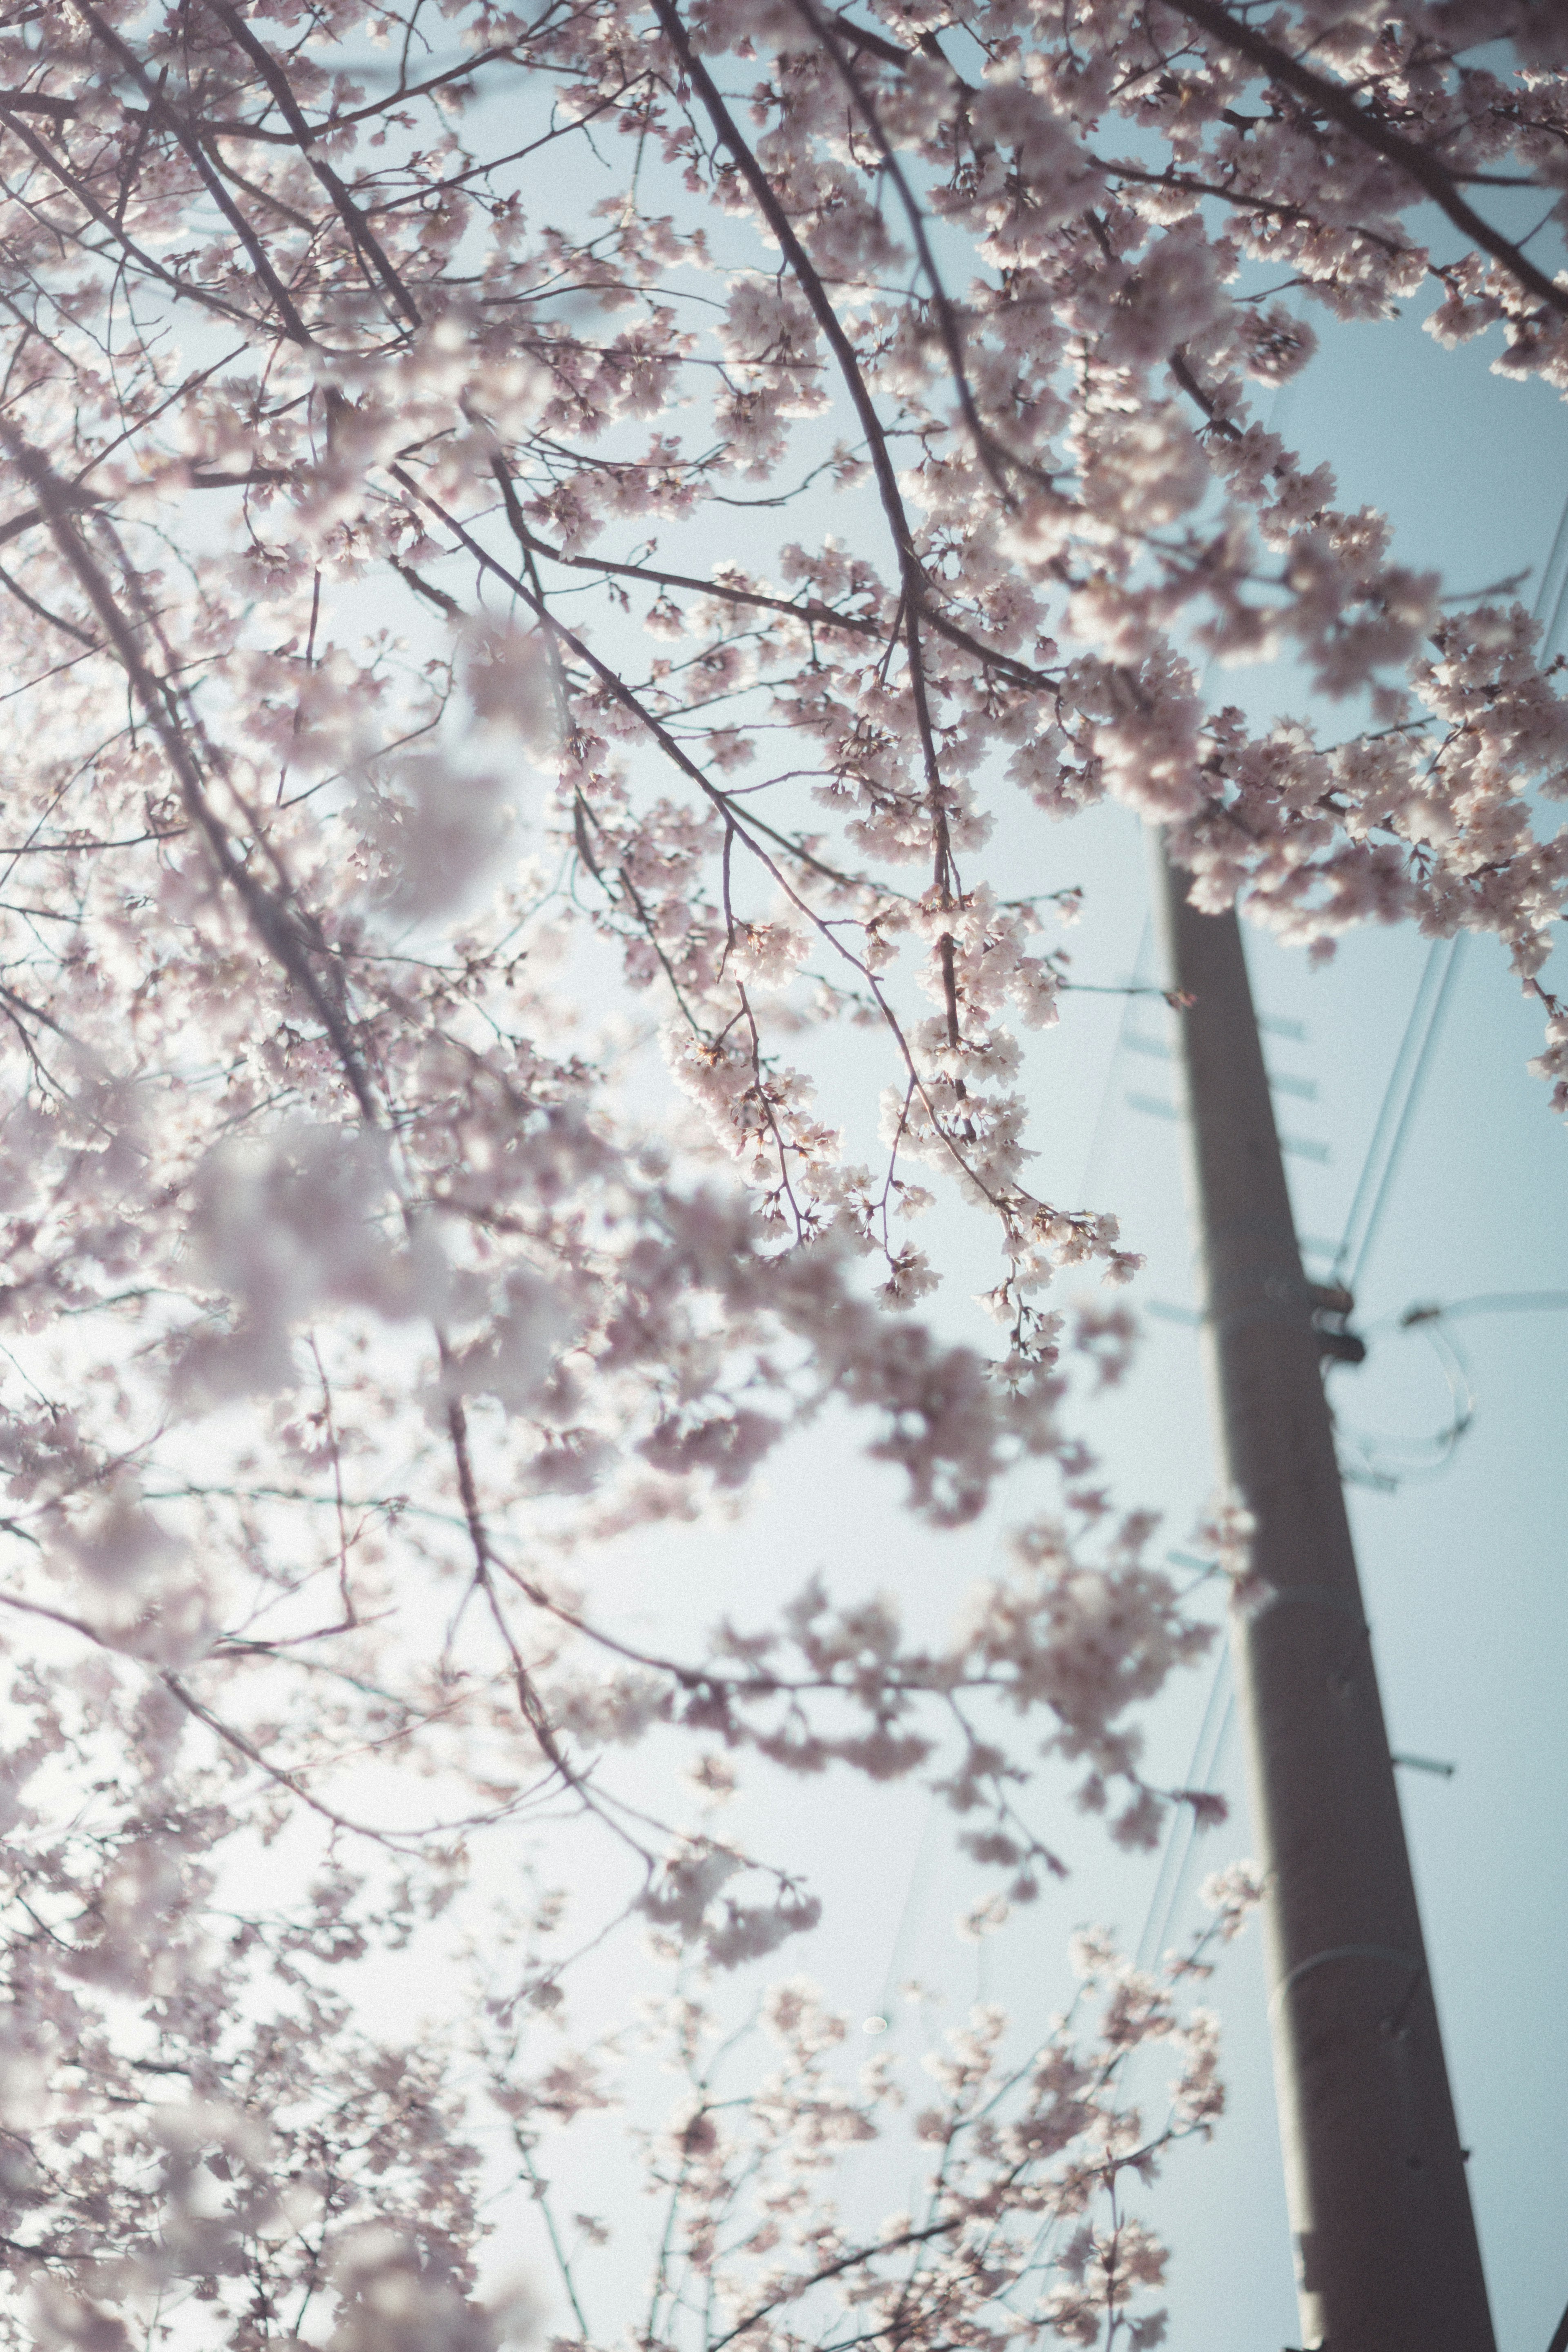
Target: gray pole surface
[{"x": 1386, "y": 2257}]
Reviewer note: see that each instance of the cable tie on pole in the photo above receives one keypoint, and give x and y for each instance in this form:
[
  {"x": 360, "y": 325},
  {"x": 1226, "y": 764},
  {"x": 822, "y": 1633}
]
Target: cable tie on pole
[
  {"x": 1417, "y": 1967},
  {"x": 1393, "y": 2024},
  {"x": 1317, "y": 1596}
]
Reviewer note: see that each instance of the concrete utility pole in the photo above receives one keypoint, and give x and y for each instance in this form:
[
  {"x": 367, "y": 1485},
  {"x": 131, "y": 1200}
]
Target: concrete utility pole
[{"x": 1387, "y": 2258}]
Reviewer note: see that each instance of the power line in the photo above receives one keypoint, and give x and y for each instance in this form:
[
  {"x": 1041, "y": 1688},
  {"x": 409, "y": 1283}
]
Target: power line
[
  {"x": 1554, "y": 591},
  {"x": 1427, "y": 1319},
  {"x": 1098, "y": 1131},
  {"x": 1207, "y": 1749},
  {"x": 1440, "y": 1448},
  {"x": 1408, "y": 1077},
  {"x": 1548, "y": 634},
  {"x": 1413, "y": 1096},
  {"x": 1386, "y": 1108},
  {"x": 881, "y": 2017},
  {"x": 1489, "y": 1302},
  {"x": 1191, "y": 1833}
]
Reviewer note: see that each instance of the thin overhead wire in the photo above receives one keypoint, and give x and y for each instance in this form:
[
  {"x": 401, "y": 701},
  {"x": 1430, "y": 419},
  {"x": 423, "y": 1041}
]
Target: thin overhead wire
[
  {"x": 1386, "y": 1110},
  {"x": 1192, "y": 1831},
  {"x": 1553, "y": 592},
  {"x": 1096, "y": 1133},
  {"x": 881, "y": 2017},
  {"x": 1558, "y": 594},
  {"x": 1489, "y": 1302},
  {"x": 1389, "y": 1134},
  {"x": 1391, "y": 1461},
  {"x": 1179, "y": 1837},
  {"x": 1405, "y": 1082},
  {"x": 1553, "y": 588}
]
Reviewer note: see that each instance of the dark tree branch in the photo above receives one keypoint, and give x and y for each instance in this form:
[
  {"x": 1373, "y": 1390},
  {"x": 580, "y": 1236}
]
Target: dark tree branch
[
  {"x": 1419, "y": 164},
  {"x": 364, "y": 239}
]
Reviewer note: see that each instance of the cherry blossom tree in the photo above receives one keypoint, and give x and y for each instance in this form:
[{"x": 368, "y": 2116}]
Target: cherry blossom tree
[{"x": 378, "y": 386}]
